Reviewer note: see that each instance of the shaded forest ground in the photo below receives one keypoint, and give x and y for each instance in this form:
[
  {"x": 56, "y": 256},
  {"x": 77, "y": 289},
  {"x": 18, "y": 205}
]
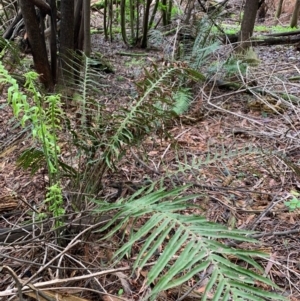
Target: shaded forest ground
[{"x": 247, "y": 191}]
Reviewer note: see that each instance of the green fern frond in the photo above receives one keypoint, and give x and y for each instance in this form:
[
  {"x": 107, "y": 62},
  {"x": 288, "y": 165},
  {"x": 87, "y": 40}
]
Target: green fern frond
[
  {"x": 155, "y": 107},
  {"x": 183, "y": 98},
  {"x": 197, "y": 51},
  {"x": 190, "y": 247},
  {"x": 9, "y": 53},
  {"x": 32, "y": 158},
  {"x": 142, "y": 116}
]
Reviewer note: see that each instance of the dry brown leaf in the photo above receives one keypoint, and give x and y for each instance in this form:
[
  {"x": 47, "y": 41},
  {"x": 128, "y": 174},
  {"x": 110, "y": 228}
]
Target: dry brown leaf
[{"x": 124, "y": 282}]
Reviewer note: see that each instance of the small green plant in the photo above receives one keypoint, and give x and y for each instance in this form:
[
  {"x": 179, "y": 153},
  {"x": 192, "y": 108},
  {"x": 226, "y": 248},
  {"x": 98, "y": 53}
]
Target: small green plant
[
  {"x": 176, "y": 11},
  {"x": 294, "y": 203},
  {"x": 261, "y": 28},
  {"x": 279, "y": 28},
  {"x": 182, "y": 98},
  {"x": 134, "y": 62},
  {"x": 43, "y": 113}
]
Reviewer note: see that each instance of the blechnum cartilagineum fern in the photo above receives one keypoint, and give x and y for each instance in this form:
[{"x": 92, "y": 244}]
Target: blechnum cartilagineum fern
[
  {"x": 191, "y": 247},
  {"x": 159, "y": 96},
  {"x": 158, "y": 103},
  {"x": 43, "y": 113}
]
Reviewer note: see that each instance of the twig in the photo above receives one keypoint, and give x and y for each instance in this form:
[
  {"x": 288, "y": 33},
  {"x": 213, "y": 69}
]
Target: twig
[
  {"x": 40, "y": 293},
  {"x": 84, "y": 267},
  {"x": 16, "y": 278},
  {"x": 272, "y": 204},
  {"x": 143, "y": 163},
  {"x": 72, "y": 243},
  {"x": 131, "y": 54},
  {"x": 59, "y": 281},
  {"x": 279, "y": 233}
]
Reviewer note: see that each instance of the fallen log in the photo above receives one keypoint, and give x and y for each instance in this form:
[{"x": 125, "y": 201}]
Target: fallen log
[{"x": 266, "y": 41}]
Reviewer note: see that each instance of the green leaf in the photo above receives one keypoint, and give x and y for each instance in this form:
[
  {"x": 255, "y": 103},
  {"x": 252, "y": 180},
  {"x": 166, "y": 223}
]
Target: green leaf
[
  {"x": 180, "y": 280},
  {"x": 220, "y": 288},
  {"x": 212, "y": 281},
  {"x": 170, "y": 250},
  {"x": 160, "y": 233},
  {"x": 154, "y": 220},
  {"x": 256, "y": 291}
]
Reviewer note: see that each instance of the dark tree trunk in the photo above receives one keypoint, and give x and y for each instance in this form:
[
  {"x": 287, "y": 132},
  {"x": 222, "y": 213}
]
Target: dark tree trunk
[
  {"x": 247, "y": 26},
  {"x": 37, "y": 43},
  {"x": 77, "y": 25},
  {"x": 294, "y": 19},
  {"x": 66, "y": 40},
  {"x": 53, "y": 39},
  {"x": 87, "y": 27},
  {"x": 278, "y": 11},
  {"x": 42, "y": 5},
  {"x": 145, "y": 24}
]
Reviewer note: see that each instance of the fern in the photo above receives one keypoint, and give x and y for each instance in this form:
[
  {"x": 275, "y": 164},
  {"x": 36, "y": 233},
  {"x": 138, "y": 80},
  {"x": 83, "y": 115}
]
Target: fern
[
  {"x": 183, "y": 98},
  {"x": 190, "y": 246},
  {"x": 106, "y": 143},
  {"x": 45, "y": 125}
]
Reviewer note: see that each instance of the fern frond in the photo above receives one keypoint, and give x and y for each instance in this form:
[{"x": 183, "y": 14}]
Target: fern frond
[
  {"x": 183, "y": 98},
  {"x": 155, "y": 107},
  {"x": 32, "y": 158},
  {"x": 190, "y": 246}
]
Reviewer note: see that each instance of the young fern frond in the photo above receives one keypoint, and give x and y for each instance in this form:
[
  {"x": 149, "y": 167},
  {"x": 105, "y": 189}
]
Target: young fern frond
[
  {"x": 182, "y": 98},
  {"x": 44, "y": 115},
  {"x": 190, "y": 246}
]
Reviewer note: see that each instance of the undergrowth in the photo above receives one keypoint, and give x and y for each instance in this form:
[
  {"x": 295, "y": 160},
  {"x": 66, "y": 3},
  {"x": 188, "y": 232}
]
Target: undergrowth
[{"x": 189, "y": 246}]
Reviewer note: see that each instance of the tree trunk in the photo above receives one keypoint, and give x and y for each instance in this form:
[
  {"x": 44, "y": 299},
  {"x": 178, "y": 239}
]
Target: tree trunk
[
  {"x": 247, "y": 26},
  {"x": 294, "y": 19},
  {"x": 145, "y": 24},
  {"x": 278, "y": 11},
  {"x": 53, "y": 39},
  {"x": 37, "y": 43},
  {"x": 77, "y": 25},
  {"x": 66, "y": 41},
  {"x": 87, "y": 27}
]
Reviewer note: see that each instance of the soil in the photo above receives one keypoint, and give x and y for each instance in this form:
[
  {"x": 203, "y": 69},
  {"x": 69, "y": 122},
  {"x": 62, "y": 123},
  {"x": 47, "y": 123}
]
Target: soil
[{"x": 246, "y": 191}]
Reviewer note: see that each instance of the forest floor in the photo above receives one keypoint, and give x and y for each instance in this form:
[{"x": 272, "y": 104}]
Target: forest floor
[{"x": 247, "y": 191}]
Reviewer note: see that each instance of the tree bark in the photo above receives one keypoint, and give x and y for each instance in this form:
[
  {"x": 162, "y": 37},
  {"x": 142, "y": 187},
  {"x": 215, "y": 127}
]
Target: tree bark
[
  {"x": 42, "y": 5},
  {"x": 278, "y": 11},
  {"x": 247, "y": 26},
  {"x": 294, "y": 19},
  {"x": 37, "y": 43},
  {"x": 145, "y": 24},
  {"x": 87, "y": 27},
  {"x": 66, "y": 41},
  {"x": 77, "y": 25},
  {"x": 53, "y": 39}
]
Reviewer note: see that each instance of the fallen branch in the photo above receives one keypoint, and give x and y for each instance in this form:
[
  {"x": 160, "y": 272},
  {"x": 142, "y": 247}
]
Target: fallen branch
[
  {"x": 14, "y": 291},
  {"x": 264, "y": 40}
]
